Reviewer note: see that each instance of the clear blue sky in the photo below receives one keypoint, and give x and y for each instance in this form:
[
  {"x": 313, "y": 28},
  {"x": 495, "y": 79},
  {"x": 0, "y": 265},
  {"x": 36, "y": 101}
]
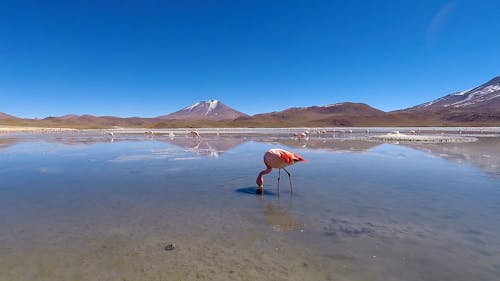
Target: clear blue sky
[{"x": 149, "y": 58}]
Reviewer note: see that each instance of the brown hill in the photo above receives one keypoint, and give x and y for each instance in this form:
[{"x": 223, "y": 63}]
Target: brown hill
[
  {"x": 91, "y": 121},
  {"x": 340, "y": 114},
  {"x": 6, "y": 116}
]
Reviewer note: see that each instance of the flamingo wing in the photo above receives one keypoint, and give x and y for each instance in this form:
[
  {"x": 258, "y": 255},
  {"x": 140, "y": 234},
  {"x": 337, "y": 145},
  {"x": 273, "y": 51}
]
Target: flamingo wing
[{"x": 290, "y": 157}]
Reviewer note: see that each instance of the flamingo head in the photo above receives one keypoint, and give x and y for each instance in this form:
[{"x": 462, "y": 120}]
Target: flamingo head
[
  {"x": 260, "y": 181},
  {"x": 260, "y": 184}
]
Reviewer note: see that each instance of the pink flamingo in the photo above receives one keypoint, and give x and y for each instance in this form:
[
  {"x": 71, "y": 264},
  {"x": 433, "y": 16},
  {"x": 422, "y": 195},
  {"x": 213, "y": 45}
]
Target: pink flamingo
[
  {"x": 278, "y": 159},
  {"x": 195, "y": 134}
]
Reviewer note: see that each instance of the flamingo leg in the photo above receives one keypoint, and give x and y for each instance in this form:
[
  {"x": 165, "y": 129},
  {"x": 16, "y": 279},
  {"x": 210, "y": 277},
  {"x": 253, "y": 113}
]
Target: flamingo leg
[
  {"x": 290, "y": 178},
  {"x": 279, "y": 176}
]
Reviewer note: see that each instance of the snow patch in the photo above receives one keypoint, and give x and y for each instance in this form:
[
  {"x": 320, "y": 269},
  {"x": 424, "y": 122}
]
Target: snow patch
[
  {"x": 192, "y": 106},
  {"x": 334, "y": 104},
  {"x": 212, "y": 104},
  {"x": 480, "y": 95},
  {"x": 432, "y": 102},
  {"x": 462, "y": 92},
  {"x": 492, "y": 88}
]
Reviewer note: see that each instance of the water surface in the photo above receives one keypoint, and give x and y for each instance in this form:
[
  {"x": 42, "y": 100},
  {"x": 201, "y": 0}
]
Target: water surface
[{"x": 87, "y": 207}]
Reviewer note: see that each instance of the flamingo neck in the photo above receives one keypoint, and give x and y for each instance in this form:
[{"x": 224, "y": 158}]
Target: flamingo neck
[{"x": 260, "y": 177}]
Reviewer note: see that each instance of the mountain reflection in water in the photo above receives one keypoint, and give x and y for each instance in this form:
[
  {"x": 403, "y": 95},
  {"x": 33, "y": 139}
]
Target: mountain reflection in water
[{"x": 483, "y": 154}]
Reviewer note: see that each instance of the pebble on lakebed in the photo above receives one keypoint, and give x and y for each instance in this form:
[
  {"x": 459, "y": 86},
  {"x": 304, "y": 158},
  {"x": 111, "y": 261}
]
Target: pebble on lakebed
[{"x": 170, "y": 247}]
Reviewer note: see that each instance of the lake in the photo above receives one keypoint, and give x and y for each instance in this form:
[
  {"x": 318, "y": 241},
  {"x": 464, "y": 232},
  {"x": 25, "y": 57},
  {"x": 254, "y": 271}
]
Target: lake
[{"x": 85, "y": 206}]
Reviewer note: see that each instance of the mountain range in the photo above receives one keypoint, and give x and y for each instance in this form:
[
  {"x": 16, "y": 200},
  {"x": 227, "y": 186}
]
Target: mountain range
[{"x": 479, "y": 106}]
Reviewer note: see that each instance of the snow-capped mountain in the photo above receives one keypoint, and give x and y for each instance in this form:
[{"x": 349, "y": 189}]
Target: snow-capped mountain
[
  {"x": 206, "y": 110},
  {"x": 483, "y": 98}
]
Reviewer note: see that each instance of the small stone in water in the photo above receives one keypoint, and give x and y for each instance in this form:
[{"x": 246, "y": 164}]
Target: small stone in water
[{"x": 170, "y": 247}]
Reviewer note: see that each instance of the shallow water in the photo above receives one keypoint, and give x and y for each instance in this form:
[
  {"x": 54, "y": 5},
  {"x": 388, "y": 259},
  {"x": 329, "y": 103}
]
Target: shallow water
[{"x": 85, "y": 207}]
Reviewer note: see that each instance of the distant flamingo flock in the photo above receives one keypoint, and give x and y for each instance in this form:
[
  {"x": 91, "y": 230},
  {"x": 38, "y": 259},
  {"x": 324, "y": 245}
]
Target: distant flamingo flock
[{"x": 278, "y": 158}]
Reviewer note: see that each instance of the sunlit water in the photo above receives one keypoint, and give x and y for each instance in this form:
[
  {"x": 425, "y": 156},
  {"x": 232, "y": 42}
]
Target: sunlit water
[{"x": 80, "y": 207}]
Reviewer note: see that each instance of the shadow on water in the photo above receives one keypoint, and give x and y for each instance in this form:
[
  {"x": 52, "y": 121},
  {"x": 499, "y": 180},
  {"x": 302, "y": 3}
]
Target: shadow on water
[{"x": 251, "y": 190}]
